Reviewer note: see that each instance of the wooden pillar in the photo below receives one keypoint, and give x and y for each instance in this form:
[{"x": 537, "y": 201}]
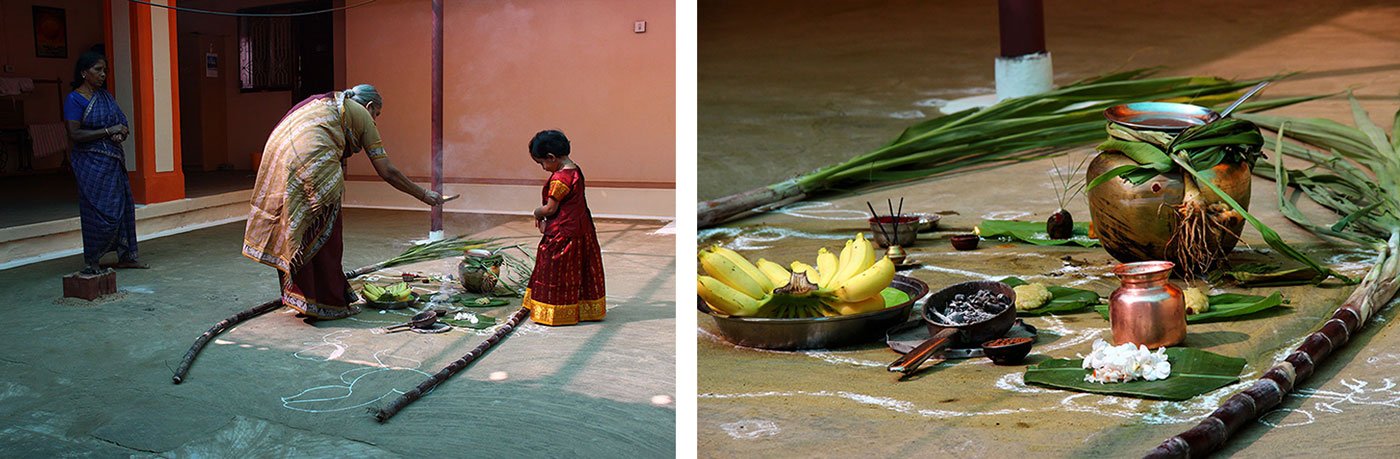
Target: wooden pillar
[
  {"x": 435, "y": 232},
  {"x": 1024, "y": 67}
]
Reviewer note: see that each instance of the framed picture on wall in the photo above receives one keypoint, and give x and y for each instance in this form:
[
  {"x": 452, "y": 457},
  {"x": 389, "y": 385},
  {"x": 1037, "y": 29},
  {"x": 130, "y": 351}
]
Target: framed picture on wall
[{"x": 50, "y": 32}]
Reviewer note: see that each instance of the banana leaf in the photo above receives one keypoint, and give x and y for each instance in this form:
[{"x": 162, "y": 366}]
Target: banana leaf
[
  {"x": 1224, "y": 307},
  {"x": 1194, "y": 372},
  {"x": 1033, "y": 233},
  {"x": 1062, "y": 300},
  {"x": 894, "y": 296},
  {"x": 482, "y": 322},
  {"x": 470, "y": 301}
]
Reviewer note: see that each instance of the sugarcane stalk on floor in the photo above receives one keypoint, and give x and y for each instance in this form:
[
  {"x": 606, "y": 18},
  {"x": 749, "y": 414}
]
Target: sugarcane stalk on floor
[
  {"x": 421, "y": 252},
  {"x": 1374, "y": 292},
  {"x": 1356, "y": 180},
  {"x": 383, "y": 414}
]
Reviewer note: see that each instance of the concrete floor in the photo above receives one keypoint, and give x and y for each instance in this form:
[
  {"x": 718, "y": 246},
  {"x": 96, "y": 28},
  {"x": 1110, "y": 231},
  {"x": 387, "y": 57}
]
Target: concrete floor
[
  {"x": 60, "y": 197},
  {"x": 794, "y": 85},
  {"x": 93, "y": 378}
]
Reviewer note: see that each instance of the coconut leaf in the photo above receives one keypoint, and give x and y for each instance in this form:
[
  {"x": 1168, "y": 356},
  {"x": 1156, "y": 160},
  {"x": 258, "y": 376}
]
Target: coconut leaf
[
  {"x": 1010, "y": 130},
  {"x": 1033, "y": 233},
  {"x": 1062, "y": 299},
  {"x": 1223, "y": 307},
  {"x": 1194, "y": 372}
]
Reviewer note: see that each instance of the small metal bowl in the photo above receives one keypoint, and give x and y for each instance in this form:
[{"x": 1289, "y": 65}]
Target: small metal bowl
[
  {"x": 1007, "y": 351},
  {"x": 908, "y": 229},
  {"x": 819, "y": 333},
  {"x": 1159, "y": 116}
]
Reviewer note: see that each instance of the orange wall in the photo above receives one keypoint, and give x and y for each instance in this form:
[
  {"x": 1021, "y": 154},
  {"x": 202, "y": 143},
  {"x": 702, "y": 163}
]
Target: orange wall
[
  {"x": 85, "y": 28},
  {"x": 512, "y": 68}
]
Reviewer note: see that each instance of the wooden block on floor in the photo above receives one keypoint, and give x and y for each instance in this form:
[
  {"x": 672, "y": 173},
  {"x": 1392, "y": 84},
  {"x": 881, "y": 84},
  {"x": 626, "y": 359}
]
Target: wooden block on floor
[{"x": 90, "y": 286}]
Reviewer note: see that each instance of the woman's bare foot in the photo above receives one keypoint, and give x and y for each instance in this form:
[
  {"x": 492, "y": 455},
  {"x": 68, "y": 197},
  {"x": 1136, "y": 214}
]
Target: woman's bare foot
[{"x": 131, "y": 264}]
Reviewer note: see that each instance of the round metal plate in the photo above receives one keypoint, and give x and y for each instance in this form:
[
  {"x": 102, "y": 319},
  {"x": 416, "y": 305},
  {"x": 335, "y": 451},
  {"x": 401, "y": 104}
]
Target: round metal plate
[{"x": 1159, "y": 116}]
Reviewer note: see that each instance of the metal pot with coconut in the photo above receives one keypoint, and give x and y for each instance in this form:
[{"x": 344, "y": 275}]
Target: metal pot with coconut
[
  {"x": 1147, "y": 189},
  {"x": 480, "y": 270}
]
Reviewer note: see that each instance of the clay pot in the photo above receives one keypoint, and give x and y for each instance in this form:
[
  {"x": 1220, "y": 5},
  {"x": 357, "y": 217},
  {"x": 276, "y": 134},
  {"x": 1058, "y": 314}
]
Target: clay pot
[{"x": 1135, "y": 223}]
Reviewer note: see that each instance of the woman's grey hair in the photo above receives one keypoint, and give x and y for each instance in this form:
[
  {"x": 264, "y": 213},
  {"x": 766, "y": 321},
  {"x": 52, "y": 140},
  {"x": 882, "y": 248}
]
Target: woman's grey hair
[{"x": 364, "y": 94}]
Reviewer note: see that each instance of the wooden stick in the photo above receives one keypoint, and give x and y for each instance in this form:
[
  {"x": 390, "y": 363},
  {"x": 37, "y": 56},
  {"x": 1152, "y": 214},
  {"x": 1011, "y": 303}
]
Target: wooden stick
[
  {"x": 219, "y": 328},
  {"x": 383, "y": 414},
  {"x": 1376, "y": 290},
  {"x": 898, "y": 216},
  {"x": 242, "y": 316}
]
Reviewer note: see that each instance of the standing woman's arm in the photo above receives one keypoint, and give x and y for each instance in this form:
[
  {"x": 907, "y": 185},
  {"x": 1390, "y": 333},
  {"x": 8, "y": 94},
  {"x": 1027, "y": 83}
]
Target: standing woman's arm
[
  {"x": 73, "y": 113},
  {"x": 362, "y": 125}
]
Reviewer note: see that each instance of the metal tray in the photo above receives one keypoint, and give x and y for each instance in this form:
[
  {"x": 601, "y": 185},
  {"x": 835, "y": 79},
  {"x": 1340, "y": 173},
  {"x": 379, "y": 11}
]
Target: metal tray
[
  {"x": 1159, "y": 116},
  {"x": 820, "y": 333}
]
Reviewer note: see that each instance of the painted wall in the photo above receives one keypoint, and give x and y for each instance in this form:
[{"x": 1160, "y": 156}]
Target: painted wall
[
  {"x": 249, "y": 117},
  {"x": 85, "y": 28},
  {"x": 513, "y": 68}
]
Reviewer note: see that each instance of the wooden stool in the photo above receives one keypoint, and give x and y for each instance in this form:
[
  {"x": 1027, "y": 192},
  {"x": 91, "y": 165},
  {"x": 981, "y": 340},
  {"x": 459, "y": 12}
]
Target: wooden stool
[{"x": 90, "y": 286}]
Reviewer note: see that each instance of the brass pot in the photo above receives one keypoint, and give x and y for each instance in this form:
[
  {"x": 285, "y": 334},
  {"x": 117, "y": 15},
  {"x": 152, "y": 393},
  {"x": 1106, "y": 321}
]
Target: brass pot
[
  {"x": 480, "y": 271},
  {"x": 1135, "y": 223}
]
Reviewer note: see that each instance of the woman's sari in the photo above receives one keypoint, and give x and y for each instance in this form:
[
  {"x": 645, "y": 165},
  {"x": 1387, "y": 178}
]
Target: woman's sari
[
  {"x": 105, "y": 206},
  {"x": 567, "y": 284},
  {"x": 295, "y": 222}
]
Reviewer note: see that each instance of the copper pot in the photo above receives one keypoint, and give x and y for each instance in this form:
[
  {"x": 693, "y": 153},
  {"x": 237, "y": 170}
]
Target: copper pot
[
  {"x": 1146, "y": 308},
  {"x": 1135, "y": 223}
]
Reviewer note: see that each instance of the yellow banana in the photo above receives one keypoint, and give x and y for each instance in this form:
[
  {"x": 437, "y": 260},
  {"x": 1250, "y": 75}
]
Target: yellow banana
[
  {"x": 844, "y": 259},
  {"x": 852, "y": 260},
  {"x": 826, "y": 265},
  {"x": 812, "y": 275},
  {"x": 746, "y": 266},
  {"x": 776, "y": 273},
  {"x": 868, "y": 247},
  {"x": 868, "y": 283},
  {"x": 723, "y": 268},
  {"x": 725, "y": 299},
  {"x": 874, "y": 303}
]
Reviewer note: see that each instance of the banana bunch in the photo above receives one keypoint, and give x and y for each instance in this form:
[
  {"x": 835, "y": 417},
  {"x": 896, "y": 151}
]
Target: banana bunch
[
  {"x": 846, "y": 284},
  {"x": 393, "y": 294}
]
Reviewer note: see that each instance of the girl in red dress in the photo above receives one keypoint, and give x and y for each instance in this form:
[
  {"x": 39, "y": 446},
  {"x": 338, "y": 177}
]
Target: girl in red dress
[{"x": 567, "y": 284}]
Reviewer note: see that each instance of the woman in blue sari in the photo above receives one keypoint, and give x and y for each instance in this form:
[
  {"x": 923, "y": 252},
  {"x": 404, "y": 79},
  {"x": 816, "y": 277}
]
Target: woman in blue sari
[{"x": 97, "y": 128}]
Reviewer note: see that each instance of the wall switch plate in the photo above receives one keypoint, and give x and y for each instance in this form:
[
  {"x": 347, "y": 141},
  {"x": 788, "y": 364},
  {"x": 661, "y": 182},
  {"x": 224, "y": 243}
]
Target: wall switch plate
[{"x": 639, "y": 27}]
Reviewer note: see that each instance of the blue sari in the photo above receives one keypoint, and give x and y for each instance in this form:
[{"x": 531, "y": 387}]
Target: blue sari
[{"x": 105, "y": 206}]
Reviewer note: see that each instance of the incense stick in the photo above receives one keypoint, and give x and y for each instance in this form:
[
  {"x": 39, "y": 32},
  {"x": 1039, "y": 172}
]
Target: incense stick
[{"x": 877, "y": 221}]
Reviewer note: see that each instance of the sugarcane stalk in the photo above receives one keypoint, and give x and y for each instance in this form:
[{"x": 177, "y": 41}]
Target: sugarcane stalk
[
  {"x": 383, "y": 414},
  {"x": 217, "y": 329},
  {"x": 1374, "y": 292},
  {"x": 416, "y": 253}
]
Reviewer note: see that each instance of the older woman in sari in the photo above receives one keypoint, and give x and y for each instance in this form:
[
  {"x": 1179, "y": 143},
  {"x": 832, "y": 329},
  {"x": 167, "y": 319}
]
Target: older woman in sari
[
  {"x": 295, "y": 223},
  {"x": 97, "y": 127}
]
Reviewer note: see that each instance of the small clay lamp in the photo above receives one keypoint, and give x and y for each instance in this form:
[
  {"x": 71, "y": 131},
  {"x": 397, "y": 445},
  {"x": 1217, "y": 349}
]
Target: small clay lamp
[{"x": 966, "y": 241}]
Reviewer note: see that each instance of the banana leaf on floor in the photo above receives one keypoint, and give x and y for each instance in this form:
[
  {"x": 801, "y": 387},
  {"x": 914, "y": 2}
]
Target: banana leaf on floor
[
  {"x": 1062, "y": 300},
  {"x": 1033, "y": 233},
  {"x": 1225, "y": 306},
  {"x": 1194, "y": 372}
]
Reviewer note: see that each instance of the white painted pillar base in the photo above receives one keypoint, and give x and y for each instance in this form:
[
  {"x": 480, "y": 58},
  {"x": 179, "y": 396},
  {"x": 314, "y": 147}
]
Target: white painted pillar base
[
  {"x": 434, "y": 236},
  {"x": 1025, "y": 75}
]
